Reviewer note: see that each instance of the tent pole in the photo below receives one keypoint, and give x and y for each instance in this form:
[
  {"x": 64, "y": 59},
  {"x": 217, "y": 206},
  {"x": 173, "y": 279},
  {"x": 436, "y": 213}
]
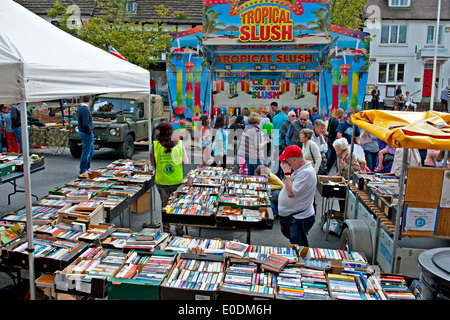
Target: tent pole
[
  {"x": 399, "y": 206},
  {"x": 26, "y": 171},
  {"x": 347, "y": 191}
]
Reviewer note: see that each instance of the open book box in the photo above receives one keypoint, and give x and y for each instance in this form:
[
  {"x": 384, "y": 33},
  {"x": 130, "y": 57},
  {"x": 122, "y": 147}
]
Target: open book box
[
  {"x": 261, "y": 218},
  {"x": 12, "y": 257},
  {"x": 169, "y": 292},
  {"x": 96, "y": 216},
  {"x": 230, "y": 293},
  {"x": 332, "y": 187},
  {"x": 134, "y": 289}
]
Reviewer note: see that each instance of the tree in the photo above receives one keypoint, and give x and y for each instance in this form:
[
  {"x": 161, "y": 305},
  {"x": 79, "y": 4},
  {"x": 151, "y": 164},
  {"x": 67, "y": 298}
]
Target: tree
[
  {"x": 139, "y": 42},
  {"x": 348, "y": 13}
]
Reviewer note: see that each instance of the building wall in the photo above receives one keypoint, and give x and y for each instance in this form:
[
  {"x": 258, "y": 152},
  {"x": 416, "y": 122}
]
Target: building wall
[{"x": 409, "y": 55}]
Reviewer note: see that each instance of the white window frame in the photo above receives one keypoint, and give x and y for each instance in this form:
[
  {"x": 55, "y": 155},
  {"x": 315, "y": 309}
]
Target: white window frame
[
  {"x": 396, "y": 73},
  {"x": 399, "y": 3},
  {"x": 389, "y": 26},
  {"x": 441, "y": 34}
]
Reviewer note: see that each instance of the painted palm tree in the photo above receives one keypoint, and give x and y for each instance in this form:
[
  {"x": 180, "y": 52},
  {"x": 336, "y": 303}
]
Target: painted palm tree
[
  {"x": 210, "y": 23},
  {"x": 322, "y": 21}
]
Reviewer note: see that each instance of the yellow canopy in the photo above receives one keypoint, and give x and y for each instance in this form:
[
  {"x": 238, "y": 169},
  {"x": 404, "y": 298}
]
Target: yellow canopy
[{"x": 405, "y": 129}]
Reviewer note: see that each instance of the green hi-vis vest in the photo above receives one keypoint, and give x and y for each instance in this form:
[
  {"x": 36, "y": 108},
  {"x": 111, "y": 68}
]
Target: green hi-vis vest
[{"x": 169, "y": 166}]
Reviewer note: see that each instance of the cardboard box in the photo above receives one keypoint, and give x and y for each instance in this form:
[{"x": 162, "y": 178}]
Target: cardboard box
[
  {"x": 132, "y": 289},
  {"x": 67, "y": 281},
  {"x": 142, "y": 204},
  {"x": 173, "y": 293},
  {"x": 94, "y": 217},
  {"x": 332, "y": 187},
  {"x": 44, "y": 264},
  {"x": 266, "y": 221},
  {"x": 7, "y": 168}
]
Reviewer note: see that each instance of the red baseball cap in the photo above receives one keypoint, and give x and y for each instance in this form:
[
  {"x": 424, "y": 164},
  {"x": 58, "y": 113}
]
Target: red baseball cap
[{"x": 290, "y": 152}]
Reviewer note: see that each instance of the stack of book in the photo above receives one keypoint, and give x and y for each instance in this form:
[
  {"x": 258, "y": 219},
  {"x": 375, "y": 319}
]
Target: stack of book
[
  {"x": 260, "y": 252},
  {"x": 104, "y": 265},
  {"x": 193, "y": 204},
  {"x": 263, "y": 282},
  {"x": 117, "y": 239},
  {"x": 368, "y": 284},
  {"x": 81, "y": 194},
  {"x": 52, "y": 201},
  {"x": 198, "y": 190},
  {"x": 274, "y": 263},
  {"x": 239, "y": 277},
  {"x": 8, "y": 234},
  {"x": 128, "y": 189},
  {"x": 236, "y": 249},
  {"x": 314, "y": 283},
  {"x": 50, "y": 248},
  {"x": 137, "y": 178},
  {"x": 194, "y": 245},
  {"x": 299, "y": 283},
  {"x": 343, "y": 287},
  {"x": 196, "y": 275},
  {"x": 133, "y": 243},
  {"x": 40, "y": 214},
  {"x": 289, "y": 284},
  {"x": 73, "y": 231},
  {"x": 348, "y": 259},
  {"x": 395, "y": 288},
  {"x": 154, "y": 268}
]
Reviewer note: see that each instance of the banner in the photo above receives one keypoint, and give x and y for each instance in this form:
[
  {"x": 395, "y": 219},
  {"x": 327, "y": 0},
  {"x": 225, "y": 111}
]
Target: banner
[
  {"x": 265, "y": 21},
  {"x": 345, "y": 74}
]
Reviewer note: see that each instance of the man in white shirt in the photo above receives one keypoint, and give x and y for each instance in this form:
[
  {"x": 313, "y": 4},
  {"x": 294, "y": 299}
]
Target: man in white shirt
[{"x": 295, "y": 202}]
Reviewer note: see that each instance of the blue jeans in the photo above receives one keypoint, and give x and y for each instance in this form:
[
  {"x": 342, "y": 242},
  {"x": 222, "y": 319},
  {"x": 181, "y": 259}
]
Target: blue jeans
[
  {"x": 18, "y": 132},
  {"x": 87, "y": 142},
  {"x": 252, "y": 164},
  {"x": 371, "y": 158},
  {"x": 274, "y": 202},
  {"x": 296, "y": 230}
]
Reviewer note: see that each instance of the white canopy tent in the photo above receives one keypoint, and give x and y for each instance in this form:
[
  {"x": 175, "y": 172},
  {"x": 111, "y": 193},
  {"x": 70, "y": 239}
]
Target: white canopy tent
[{"x": 39, "y": 62}]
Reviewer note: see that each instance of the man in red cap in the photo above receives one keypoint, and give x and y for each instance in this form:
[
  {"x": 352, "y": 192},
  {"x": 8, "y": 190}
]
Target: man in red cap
[{"x": 295, "y": 202}]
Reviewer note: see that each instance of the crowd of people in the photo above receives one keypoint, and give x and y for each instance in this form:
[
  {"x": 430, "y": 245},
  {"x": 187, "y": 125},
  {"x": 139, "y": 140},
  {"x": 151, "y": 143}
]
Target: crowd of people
[{"x": 300, "y": 146}]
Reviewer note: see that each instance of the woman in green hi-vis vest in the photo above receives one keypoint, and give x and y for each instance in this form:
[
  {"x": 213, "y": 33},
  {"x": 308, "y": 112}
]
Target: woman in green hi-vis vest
[{"x": 167, "y": 156}]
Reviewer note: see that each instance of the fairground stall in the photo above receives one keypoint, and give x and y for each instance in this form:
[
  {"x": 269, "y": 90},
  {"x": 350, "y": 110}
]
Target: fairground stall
[{"x": 265, "y": 51}]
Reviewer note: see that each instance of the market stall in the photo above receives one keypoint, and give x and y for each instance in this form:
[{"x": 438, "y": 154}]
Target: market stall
[
  {"x": 393, "y": 211},
  {"x": 53, "y": 72}
]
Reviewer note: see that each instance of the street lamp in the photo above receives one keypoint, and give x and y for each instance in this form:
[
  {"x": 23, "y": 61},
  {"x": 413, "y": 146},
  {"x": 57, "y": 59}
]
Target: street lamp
[{"x": 436, "y": 38}]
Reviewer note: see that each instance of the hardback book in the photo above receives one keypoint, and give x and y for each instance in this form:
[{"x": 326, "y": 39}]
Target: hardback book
[
  {"x": 88, "y": 205},
  {"x": 274, "y": 262},
  {"x": 235, "y": 249},
  {"x": 147, "y": 234}
]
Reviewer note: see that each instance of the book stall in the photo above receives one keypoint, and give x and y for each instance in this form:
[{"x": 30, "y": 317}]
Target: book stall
[
  {"x": 91, "y": 258},
  {"x": 211, "y": 197},
  {"x": 73, "y": 215},
  {"x": 181, "y": 267}
]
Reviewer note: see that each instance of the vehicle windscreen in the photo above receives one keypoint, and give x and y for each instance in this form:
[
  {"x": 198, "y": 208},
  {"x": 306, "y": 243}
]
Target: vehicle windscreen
[{"x": 115, "y": 105}]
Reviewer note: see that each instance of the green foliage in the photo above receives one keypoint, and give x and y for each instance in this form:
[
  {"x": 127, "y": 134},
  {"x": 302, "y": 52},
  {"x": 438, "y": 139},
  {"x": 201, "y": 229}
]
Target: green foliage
[
  {"x": 348, "y": 13},
  {"x": 139, "y": 42}
]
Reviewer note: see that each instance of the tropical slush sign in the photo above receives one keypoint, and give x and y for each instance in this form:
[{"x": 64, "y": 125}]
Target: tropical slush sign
[{"x": 266, "y": 23}]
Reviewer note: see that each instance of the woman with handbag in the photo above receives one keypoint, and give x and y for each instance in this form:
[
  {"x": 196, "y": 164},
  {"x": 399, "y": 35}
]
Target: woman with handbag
[
  {"x": 310, "y": 149},
  {"x": 205, "y": 138},
  {"x": 252, "y": 144}
]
